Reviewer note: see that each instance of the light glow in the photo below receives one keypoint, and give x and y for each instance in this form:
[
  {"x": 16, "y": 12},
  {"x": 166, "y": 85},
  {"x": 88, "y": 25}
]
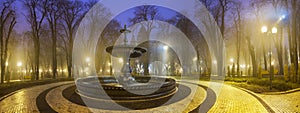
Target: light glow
[
  {"x": 231, "y": 60},
  {"x": 264, "y": 29},
  {"x": 166, "y": 47},
  {"x": 88, "y": 59},
  {"x": 274, "y": 30},
  {"x": 19, "y": 64}
]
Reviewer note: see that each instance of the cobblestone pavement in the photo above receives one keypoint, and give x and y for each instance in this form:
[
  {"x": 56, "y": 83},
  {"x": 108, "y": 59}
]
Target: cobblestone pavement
[
  {"x": 233, "y": 100},
  {"x": 283, "y": 103},
  {"x": 24, "y": 100},
  {"x": 229, "y": 99}
]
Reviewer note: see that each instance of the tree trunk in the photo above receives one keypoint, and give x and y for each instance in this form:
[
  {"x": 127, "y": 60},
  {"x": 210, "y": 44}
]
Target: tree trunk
[
  {"x": 36, "y": 58},
  {"x": 253, "y": 57},
  {"x": 294, "y": 34},
  {"x": 223, "y": 21},
  {"x": 54, "y": 58},
  {"x": 70, "y": 54},
  {"x": 279, "y": 49},
  {"x": 265, "y": 58}
]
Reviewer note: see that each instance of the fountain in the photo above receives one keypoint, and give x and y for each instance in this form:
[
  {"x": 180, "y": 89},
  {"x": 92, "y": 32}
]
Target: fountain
[{"x": 124, "y": 88}]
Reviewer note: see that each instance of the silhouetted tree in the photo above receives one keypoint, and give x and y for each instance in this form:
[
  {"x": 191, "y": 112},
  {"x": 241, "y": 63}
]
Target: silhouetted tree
[
  {"x": 7, "y": 24},
  {"x": 35, "y": 17},
  {"x": 145, "y": 13},
  {"x": 72, "y": 14}
]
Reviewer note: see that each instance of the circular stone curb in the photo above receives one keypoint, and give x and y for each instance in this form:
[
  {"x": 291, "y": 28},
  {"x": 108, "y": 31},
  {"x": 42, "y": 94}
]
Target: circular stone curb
[
  {"x": 58, "y": 103},
  {"x": 267, "y": 107}
]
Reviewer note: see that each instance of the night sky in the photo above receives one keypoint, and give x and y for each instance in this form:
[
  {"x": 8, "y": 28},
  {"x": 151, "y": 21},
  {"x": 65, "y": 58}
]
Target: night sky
[{"x": 23, "y": 26}]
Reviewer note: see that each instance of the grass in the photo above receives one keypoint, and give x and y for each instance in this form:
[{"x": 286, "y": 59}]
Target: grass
[
  {"x": 262, "y": 85},
  {"x": 7, "y": 88}
]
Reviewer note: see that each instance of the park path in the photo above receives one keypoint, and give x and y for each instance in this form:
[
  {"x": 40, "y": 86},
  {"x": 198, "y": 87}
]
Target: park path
[
  {"x": 283, "y": 103},
  {"x": 233, "y": 100},
  {"x": 24, "y": 100},
  {"x": 229, "y": 99}
]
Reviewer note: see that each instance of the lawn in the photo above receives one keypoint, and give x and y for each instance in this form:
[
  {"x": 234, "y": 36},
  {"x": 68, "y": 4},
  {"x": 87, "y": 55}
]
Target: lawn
[{"x": 262, "y": 85}]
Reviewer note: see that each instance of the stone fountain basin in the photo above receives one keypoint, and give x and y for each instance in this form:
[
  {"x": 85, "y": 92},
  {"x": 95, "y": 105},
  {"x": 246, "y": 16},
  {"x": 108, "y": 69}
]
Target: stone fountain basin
[
  {"x": 120, "y": 50},
  {"x": 108, "y": 88}
]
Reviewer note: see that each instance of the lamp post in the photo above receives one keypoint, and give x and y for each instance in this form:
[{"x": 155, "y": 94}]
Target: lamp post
[{"x": 265, "y": 30}]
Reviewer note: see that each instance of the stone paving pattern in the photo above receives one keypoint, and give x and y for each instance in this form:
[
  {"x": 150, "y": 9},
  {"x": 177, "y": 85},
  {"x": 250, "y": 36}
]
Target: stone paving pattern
[
  {"x": 283, "y": 103},
  {"x": 58, "y": 103},
  {"x": 229, "y": 99},
  {"x": 24, "y": 100}
]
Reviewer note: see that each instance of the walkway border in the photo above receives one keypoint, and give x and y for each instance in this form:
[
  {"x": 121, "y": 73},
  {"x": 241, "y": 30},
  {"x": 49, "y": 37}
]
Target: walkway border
[{"x": 267, "y": 107}]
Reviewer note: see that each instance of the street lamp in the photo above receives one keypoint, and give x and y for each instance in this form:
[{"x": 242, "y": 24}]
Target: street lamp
[
  {"x": 282, "y": 17},
  {"x": 264, "y": 30}
]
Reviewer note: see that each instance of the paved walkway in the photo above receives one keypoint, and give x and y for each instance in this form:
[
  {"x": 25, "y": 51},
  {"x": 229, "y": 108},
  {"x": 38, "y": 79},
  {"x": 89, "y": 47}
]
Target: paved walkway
[
  {"x": 24, "y": 100},
  {"x": 233, "y": 100},
  {"x": 283, "y": 103},
  {"x": 229, "y": 99}
]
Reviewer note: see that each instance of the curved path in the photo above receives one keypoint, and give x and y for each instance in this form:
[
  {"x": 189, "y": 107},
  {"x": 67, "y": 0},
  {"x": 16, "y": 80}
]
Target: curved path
[
  {"x": 283, "y": 103},
  {"x": 23, "y": 101},
  {"x": 206, "y": 98}
]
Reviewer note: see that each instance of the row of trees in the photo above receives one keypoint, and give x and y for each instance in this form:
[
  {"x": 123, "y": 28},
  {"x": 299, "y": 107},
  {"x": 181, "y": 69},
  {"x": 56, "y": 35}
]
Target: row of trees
[
  {"x": 52, "y": 21},
  {"x": 56, "y": 21},
  {"x": 243, "y": 22}
]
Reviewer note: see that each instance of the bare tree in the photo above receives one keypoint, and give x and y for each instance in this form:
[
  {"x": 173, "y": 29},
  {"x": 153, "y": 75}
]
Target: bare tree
[
  {"x": 294, "y": 33},
  {"x": 145, "y": 13},
  {"x": 53, "y": 16},
  {"x": 108, "y": 36},
  {"x": 7, "y": 24},
  {"x": 72, "y": 14},
  {"x": 224, "y": 8},
  {"x": 35, "y": 17},
  {"x": 238, "y": 27}
]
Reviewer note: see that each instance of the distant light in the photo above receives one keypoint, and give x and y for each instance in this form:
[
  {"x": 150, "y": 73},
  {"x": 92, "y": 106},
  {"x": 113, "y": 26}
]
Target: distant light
[
  {"x": 165, "y": 47},
  {"x": 109, "y": 64},
  {"x": 264, "y": 29},
  {"x": 282, "y": 17},
  {"x": 243, "y": 66},
  {"x": 19, "y": 64},
  {"x": 274, "y": 30},
  {"x": 6, "y": 63},
  {"x": 120, "y": 60},
  {"x": 270, "y": 53},
  {"x": 195, "y": 59},
  {"x": 88, "y": 59},
  {"x": 231, "y": 60},
  {"x": 272, "y": 63},
  {"x": 215, "y": 62},
  {"x": 180, "y": 70}
]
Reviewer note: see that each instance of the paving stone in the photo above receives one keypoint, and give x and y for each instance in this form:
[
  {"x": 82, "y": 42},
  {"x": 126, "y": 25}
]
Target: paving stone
[
  {"x": 229, "y": 100},
  {"x": 24, "y": 100}
]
